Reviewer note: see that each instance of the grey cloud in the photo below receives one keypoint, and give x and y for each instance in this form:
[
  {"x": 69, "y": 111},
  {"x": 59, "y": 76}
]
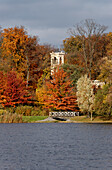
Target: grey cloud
[
  {"x": 53, "y": 17},
  {"x": 44, "y": 13}
]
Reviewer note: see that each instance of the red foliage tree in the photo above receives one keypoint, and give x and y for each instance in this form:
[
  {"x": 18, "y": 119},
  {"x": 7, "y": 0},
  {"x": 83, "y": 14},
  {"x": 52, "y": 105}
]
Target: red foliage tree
[
  {"x": 15, "y": 91},
  {"x": 58, "y": 94}
]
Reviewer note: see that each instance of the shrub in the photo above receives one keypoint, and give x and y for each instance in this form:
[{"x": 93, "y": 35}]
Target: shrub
[
  {"x": 2, "y": 111},
  {"x": 24, "y": 110},
  {"x": 30, "y": 111},
  {"x": 43, "y": 112},
  {"x": 11, "y": 118}
]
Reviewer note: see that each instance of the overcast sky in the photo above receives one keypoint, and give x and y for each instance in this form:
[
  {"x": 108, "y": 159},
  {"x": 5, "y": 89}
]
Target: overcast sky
[{"x": 50, "y": 19}]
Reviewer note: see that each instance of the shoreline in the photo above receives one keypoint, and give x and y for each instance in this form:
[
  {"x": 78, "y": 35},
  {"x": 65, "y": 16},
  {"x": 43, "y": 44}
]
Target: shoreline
[
  {"x": 51, "y": 120},
  {"x": 76, "y": 119}
]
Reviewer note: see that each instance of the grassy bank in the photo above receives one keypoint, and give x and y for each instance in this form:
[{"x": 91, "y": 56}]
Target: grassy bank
[
  {"x": 77, "y": 119},
  {"x": 96, "y": 119},
  {"x": 31, "y": 119}
]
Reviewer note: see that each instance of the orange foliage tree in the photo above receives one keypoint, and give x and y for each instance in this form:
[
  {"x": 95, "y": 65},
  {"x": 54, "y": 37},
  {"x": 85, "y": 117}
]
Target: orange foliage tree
[
  {"x": 23, "y": 53},
  {"x": 14, "y": 48},
  {"x": 58, "y": 94}
]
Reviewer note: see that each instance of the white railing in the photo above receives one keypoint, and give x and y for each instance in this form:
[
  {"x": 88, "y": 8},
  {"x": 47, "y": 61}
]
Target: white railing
[{"x": 63, "y": 114}]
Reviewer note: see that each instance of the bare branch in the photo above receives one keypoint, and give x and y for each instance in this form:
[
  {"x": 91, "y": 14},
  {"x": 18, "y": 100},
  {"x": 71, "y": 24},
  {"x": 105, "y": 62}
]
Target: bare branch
[{"x": 87, "y": 30}]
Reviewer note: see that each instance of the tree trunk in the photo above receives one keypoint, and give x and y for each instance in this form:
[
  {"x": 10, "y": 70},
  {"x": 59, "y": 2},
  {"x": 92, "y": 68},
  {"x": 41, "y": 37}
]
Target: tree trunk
[
  {"x": 27, "y": 70},
  {"x": 91, "y": 116},
  {"x": 27, "y": 76}
]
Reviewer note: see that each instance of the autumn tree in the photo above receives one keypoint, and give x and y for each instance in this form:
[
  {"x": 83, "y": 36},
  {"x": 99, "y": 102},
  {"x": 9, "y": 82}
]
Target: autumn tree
[
  {"x": 39, "y": 58},
  {"x": 32, "y": 59},
  {"x": 15, "y": 91},
  {"x": 109, "y": 46},
  {"x": 89, "y": 33},
  {"x": 85, "y": 95},
  {"x": 1, "y": 38},
  {"x": 106, "y": 70},
  {"x": 109, "y": 98},
  {"x": 40, "y": 90},
  {"x": 24, "y": 53},
  {"x": 57, "y": 93},
  {"x": 14, "y": 47},
  {"x": 72, "y": 44},
  {"x": 73, "y": 52},
  {"x": 103, "y": 100},
  {"x": 2, "y": 86},
  {"x": 104, "y": 96}
]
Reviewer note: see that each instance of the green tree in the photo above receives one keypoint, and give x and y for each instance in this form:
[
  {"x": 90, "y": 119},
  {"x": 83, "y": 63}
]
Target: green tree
[{"x": 74, "y": 72}]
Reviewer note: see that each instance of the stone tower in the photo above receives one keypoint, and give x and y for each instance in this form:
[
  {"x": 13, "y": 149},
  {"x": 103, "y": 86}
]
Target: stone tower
[{"x": 57, "y": 58}]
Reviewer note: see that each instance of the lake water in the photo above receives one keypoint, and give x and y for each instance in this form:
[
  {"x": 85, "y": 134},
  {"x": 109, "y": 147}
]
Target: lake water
[{"x": 55, "y": 146}]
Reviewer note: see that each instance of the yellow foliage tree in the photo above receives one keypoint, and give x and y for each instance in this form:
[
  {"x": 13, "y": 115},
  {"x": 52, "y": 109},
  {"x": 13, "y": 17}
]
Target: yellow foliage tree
[{"x": 41, "y": 89}]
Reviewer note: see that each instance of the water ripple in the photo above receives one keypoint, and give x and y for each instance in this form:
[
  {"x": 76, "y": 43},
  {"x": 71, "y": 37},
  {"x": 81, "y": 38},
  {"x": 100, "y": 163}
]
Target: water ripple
[{"x": 51, "y": 146}]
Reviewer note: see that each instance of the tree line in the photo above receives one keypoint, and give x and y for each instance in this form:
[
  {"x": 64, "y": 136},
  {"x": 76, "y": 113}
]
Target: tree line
[{"x": 25, "y": 77}]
